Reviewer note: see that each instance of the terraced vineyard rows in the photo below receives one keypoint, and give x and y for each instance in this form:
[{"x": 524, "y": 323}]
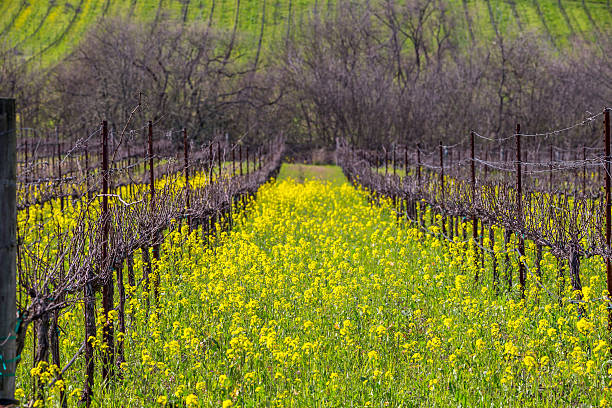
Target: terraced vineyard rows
[{"x": 48, "y": 30}]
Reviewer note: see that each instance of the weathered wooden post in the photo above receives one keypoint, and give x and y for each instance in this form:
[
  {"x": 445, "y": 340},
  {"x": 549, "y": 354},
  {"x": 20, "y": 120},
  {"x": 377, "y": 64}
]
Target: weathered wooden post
[
  {"x": 608, "y": 208},
  {"x": 8, "y": 251},
  {"x": 584, "y": 170},
  {"x": 419, "y": 187},
  {"x": 442, "y": 188},
  {"x": 386, "y": 161},
  {"x": 519, "y": 211},
  {"x": 474, "y": 219},
  {"x": 186, "y": 154},
  {"x": 152, "y": 204},
  {"x": 233, "y": 161},
  {"x": 108, "y": 288},
  {"x": 219, "y": 161},
  {"x": 550, "y": 169},
  {"x": 240, "y": 159},
  {"x": 247, "y": 160}
]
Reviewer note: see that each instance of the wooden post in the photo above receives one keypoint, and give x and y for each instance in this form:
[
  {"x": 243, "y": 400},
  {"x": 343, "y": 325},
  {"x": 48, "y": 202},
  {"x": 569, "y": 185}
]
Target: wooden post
[
  {"x": 186, "y": 153},
  {"x": 386, "y": 162},
  {"x": 474, "y": 219},
  {"x": 25, "y": 166},
  {"x": 493, "y": 256},
  {"x": 583, "y": 170},
  {"x": 442, "y": 188},
  {"x": 608, "y": 208},
  {"x": 418, "y": 171},
  {"x": 151, "y": 170},
  {"x": 8, "y": 251},
  {"x": 108, "y": 287},
  {"x": 219, "y": 158},
  {"x": 210, "y": 162},
  {"x": 59, "y": 169},
  {"x": 89, "y": 311},
  {"x": 519, "y": 210},
  {"x": 152, "y": 204},
  {"x": 486, "y": 167},
  {"x": 87, "y": 170},
  {"x": 233, "y": 162},
  {"x": 550, "y": 170},
  {"x": 240, "y": 159}
]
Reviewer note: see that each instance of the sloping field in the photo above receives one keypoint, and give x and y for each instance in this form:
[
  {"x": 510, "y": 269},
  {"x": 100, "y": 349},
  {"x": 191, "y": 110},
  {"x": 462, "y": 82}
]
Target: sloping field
[{"x": 47, "y": 30}]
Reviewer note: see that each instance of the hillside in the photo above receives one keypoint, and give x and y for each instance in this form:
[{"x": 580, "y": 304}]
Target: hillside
[{"x": 48, "y": 29}]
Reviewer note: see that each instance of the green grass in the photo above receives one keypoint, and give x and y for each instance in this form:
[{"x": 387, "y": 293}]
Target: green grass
[
  {"x": 46, "y": 31},
  {"x": 303, "y": 172}
]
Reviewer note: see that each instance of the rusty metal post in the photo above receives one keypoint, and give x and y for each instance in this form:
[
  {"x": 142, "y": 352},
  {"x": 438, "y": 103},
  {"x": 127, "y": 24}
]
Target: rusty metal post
[
  {"x": 186, "y": 154},
  {"x": 519, "y": 210},
  {"x": 608, "y": 208},
  {"x": 108, "y": 286}
]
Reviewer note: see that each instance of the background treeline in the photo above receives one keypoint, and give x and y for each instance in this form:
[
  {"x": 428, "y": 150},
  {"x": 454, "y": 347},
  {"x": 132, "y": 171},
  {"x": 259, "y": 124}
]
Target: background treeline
[{"x": 376, "y": 73}]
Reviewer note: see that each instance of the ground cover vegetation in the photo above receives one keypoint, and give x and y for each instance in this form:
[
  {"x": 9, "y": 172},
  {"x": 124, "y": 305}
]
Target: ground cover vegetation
[{"x": 321, "y": 295}]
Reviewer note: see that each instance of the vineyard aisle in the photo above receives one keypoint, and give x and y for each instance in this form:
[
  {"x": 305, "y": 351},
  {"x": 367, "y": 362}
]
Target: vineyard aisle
[{"x": 318, "y": 298}]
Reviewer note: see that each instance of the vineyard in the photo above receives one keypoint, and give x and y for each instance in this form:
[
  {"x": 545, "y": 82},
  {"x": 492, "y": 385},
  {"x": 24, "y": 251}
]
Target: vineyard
[
  {"x": 465, "y": 268},
  {"x": 46, "y": 31},
  {"x": 226, "y": 203},
  {"x": 90, "y": 214}
]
